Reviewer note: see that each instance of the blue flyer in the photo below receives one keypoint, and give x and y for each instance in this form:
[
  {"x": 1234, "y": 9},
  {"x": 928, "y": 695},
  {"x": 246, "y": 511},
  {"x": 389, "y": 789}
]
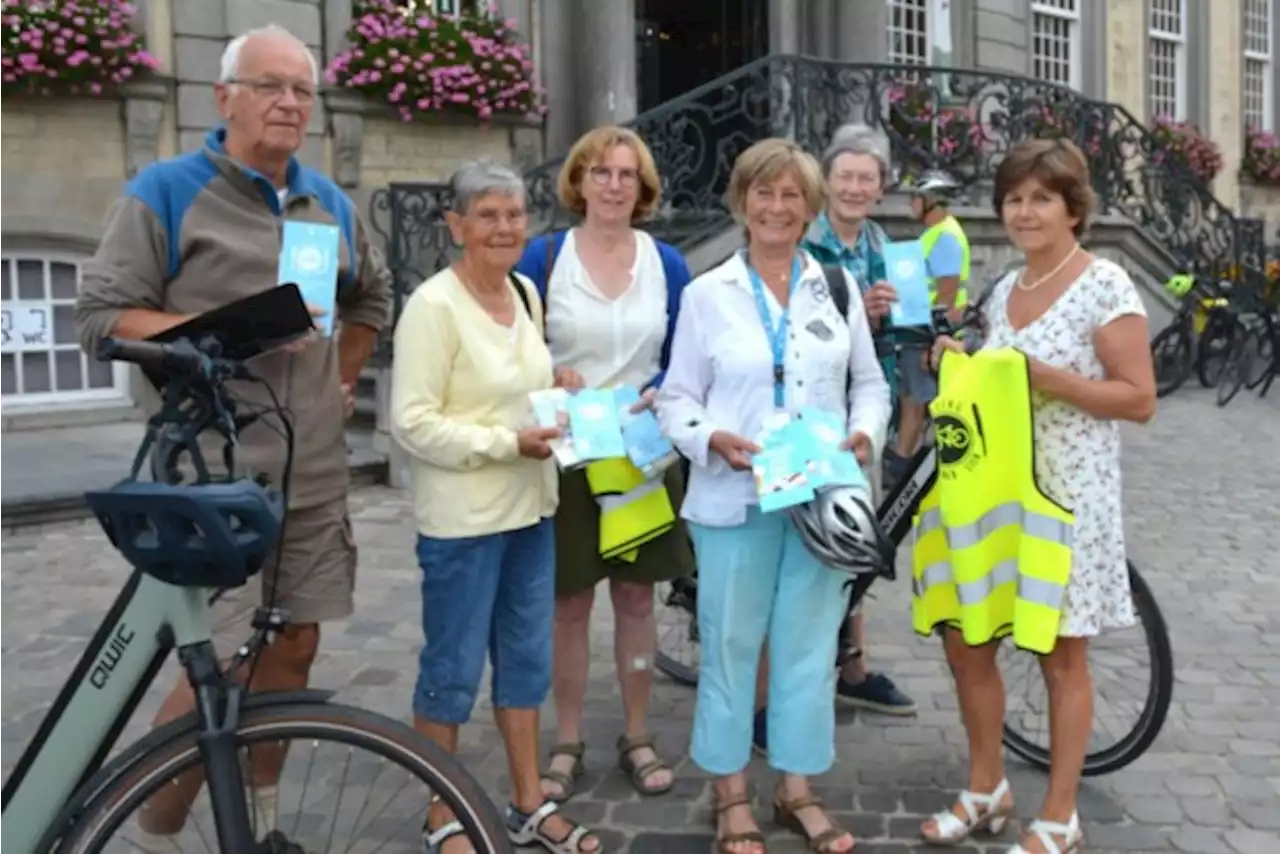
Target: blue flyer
[
  {"x": 821, "y": 435},
  {"x": 906, "y": 269},
  {"x": 597, "y": 430},
  {"x": 648, "y": 449},
  {"x": 780, "y": 478},
  {"x": 309, "y": 258}
]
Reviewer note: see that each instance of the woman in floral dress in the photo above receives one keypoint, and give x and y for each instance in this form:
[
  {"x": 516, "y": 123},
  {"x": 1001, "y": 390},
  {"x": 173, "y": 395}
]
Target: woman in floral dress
[{"x": 1081, "y": 323}]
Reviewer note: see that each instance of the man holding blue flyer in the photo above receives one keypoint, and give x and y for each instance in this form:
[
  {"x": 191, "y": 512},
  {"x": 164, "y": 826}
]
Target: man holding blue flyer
[
  {"x": 946, "y": 253},
  {"x": 205, "y": 229}
]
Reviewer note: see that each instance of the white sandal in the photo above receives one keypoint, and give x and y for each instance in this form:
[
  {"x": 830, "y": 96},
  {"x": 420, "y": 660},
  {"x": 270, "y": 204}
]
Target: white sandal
[
  {"x": 529, "y": 831},
  {"x": 434, "y": 840},
  {"x": 1049, "y": 831},
  {"x": 952, "y": 830}
]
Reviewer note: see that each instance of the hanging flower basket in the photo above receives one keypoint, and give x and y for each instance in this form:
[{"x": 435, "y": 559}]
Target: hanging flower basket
[
  {"x": 421, "y": 63},
  {"x": 75, "y": 47},
  {"x": 1261, "y": 162},
  {"x": 1182, "y": 142}
]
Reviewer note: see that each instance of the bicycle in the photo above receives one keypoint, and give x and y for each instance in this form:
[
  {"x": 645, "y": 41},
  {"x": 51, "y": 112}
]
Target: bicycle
[
  {"x": 1198, "y": 337},
  {"x": 1253, "y": 359},
  {"x": 64, "y": 796},
  {"x": 895, "y": 514}
]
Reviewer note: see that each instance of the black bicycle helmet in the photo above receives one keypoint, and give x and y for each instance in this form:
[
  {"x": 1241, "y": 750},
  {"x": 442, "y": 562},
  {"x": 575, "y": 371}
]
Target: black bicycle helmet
[{"x": 214, "y": 535}]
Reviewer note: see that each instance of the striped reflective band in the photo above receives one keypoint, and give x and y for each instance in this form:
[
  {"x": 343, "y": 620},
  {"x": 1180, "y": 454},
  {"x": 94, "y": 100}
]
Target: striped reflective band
[
  {"x": 613, "y": 502},
  {"x": 1030, "y": 589},
  {"x": 1032, "y": 524}
]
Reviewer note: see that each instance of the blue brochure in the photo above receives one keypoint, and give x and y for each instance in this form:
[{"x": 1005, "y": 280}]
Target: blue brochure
[
  {"x": 780, "y": 478},
  {"x": 309, "y": 257},
  {"x": 648, "y": 449},
  {"x": 818, "y": 439},
  {"x": 597, "y": 430},
  {"x": 906, "y": 269}
]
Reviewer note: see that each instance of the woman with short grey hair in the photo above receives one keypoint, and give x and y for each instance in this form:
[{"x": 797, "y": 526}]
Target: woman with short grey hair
[{"x": 469, "y": 349}]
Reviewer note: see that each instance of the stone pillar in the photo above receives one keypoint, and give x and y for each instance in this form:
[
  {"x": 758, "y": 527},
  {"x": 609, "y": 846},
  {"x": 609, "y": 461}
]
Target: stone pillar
[
  {"x": 820, "y": 28},
  {"x": 860, "y": 28},
  {"x": 1127, "y": 55},
  {"x": 554, "y": 55},
  {"x": 1226, "y": 102},
  {"x": 605, "y": 76},
  {"x": 784, "y": 40},
  {"x": 202, "y": 29}
]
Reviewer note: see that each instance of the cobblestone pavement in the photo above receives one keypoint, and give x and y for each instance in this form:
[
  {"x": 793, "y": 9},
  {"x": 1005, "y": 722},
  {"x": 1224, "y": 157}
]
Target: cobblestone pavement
[{"x": 1201, "y": 487}]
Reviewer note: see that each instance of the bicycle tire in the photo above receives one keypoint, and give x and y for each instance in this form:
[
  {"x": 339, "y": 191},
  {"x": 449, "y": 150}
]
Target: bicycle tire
[
  {"x": 1265, "y": 356},
  {"x": 1178, "y": 363},
  {"x": 1154, "y": 713},
  {"x": 671, "y": 667},
  {"x": 1236, "y": 369},
  {"x": 1215, "y": 347},
  {"x": 109, "y": 806}
]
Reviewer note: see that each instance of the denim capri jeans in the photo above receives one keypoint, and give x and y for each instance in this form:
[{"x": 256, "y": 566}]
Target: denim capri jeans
[{"x": 493, "y": 593}]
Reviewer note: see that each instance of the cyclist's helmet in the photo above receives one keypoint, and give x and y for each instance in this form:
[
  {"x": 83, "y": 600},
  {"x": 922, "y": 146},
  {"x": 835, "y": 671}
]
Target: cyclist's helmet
[
  {"x": 935, "y": 185},
  {"x": 840, "y": 529},
  {"x": 193, "y": 535}
]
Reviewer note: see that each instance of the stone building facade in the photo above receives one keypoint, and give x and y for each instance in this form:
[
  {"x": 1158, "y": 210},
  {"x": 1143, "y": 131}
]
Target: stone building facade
[{"x": 65, "y": 159}]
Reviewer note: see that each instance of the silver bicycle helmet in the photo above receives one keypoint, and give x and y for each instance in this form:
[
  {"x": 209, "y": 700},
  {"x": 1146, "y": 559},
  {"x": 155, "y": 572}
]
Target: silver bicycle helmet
[
  {"x": 936, "y": 185},
  {"x": 840, "y": 529}
]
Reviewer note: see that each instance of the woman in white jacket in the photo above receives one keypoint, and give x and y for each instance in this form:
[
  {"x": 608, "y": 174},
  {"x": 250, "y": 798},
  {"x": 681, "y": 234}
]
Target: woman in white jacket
[{"x": 759, "y": 334}]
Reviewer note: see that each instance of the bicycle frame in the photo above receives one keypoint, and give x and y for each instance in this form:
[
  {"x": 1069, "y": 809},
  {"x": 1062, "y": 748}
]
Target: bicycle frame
[{"x": 147, "y": 621}]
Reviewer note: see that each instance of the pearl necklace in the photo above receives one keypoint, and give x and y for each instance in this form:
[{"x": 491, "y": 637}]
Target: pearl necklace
[{"x": 1046, "y": 277}]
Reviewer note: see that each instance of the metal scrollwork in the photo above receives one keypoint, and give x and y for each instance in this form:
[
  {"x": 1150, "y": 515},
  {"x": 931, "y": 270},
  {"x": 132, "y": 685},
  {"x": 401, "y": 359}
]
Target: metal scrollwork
[{"x": 962, "y": 121}]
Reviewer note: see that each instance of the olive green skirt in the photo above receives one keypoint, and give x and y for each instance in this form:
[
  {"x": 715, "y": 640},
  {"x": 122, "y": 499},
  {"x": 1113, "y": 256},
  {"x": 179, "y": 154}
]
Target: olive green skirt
[{"x": 579, "y": 566}]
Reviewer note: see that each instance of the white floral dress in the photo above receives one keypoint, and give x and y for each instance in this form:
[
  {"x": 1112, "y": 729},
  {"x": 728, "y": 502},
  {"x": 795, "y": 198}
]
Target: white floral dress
[{"x": 1078, "y": 455}]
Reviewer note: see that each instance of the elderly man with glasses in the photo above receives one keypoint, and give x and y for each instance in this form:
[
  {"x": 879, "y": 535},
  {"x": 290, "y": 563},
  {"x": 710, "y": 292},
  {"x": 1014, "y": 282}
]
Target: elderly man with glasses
[{"x": 202, "y": 230}]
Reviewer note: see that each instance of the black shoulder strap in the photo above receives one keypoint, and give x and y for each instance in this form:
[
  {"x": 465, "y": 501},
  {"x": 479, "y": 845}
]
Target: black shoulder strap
[
  {"x": 524, "y": 297},
  {"x": 838, "y": 285}
]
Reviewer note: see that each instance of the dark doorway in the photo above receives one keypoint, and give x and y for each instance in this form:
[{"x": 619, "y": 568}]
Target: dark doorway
[{"x": 685, "y": 43}]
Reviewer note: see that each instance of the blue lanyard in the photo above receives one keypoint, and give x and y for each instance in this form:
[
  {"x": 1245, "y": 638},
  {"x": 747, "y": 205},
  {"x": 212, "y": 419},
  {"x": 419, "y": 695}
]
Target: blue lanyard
[{"x": 777, "y": 333}]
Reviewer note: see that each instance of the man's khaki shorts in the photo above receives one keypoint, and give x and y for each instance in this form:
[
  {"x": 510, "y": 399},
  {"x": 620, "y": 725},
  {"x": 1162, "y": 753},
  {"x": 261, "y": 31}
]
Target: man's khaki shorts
[{"x": 316, "y": 580}]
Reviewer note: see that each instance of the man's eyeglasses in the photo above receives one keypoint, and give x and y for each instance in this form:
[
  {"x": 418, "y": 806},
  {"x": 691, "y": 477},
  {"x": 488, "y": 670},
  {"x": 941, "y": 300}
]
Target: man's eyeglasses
[
  {"x": 601, "y": 175},
  {"x": 275, "y": 89}
]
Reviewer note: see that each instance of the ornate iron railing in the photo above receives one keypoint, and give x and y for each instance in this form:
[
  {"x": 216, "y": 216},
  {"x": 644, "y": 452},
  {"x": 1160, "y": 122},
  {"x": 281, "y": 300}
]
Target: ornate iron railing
[{"x": 963, "y": 121}]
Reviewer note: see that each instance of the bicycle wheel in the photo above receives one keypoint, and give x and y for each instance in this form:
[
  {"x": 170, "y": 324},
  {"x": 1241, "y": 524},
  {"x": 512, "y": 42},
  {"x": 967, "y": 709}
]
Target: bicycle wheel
[
  {"x": 1236, "y": 369},
  {"x": 1171, "y": 351},
  {"x": 1264, "y": 356},
  {"x": 1152, "y": 707},
  {"x": 1152, "y": 704},
  {"x": 169, "y": 767},
  {"x": 678, "y": 654},
  {"x": 1215, "y": 346}
]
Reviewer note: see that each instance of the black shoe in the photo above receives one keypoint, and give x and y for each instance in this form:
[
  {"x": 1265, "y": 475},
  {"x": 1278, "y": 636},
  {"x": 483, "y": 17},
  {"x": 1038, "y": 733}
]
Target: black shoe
[
  {"x": 876, "y": 693},
  {"x": 760, "y": 732}
]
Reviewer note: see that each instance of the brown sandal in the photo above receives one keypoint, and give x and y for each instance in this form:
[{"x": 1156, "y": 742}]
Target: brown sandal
[
  {"x": 784, "y": 815},
  {"x": 566, "y": 782},
  {"x": 751, "y": 837},
  {"x": 639, "y": 774}
]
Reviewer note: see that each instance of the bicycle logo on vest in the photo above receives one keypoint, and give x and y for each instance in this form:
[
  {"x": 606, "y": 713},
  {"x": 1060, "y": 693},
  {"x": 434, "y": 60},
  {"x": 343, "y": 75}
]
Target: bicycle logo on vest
[{"x": 956, "y": 436}]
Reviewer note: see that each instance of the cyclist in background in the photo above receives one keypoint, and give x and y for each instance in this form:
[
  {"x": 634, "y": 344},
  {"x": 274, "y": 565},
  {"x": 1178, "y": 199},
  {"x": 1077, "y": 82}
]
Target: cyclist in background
[
  {"x": 946, "y": 251},
  {"x": 169, "y": 254}
]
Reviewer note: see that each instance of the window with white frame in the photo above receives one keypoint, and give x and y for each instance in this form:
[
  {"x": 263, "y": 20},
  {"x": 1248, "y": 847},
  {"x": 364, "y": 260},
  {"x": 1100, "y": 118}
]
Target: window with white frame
[
  {"x": 40, "y": 357},
  {"x": 1055, "y": 41},
  {"x": 1259, "y": 66},
  {"x": 1167, "y": 59},
  {"x": 910, "y": 41}
]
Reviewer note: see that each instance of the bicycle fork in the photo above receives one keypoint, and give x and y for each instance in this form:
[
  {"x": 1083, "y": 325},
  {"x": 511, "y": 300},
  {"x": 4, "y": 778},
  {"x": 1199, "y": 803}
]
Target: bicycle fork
[{"x": 218, "y": 712}]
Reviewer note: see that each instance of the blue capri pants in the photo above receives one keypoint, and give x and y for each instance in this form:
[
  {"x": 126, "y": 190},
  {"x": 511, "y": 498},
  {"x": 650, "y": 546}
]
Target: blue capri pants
[
  {"x": 754, "y": 579},
  {"x": 496, "y": 594}
]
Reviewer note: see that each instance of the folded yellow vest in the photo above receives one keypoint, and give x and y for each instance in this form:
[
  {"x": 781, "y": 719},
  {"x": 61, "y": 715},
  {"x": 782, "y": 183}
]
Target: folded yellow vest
[
  {"x": 633, "y": 510},
  {"x": 992, "y": 553}
]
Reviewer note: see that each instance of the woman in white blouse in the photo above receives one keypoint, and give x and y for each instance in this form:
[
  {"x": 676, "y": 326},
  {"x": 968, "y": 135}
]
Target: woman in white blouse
[
  {"x": 759, "y": 334},
  {"x": 611, "y": 293}
]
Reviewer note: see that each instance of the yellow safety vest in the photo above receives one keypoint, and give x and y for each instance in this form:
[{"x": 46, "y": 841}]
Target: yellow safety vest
[
  {"x": 992, "y": 553},
  {"x": 949, "y": 225},
  {"x": 633, "y": 510}
]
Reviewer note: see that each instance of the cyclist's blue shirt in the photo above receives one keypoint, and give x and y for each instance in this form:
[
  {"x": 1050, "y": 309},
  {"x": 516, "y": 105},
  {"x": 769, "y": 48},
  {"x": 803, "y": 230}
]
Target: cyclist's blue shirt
[{"x": 947, "y": 257}]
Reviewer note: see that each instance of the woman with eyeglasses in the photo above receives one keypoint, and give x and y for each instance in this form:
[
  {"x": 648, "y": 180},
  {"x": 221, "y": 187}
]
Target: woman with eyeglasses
[{"x": 611, "y": 293}]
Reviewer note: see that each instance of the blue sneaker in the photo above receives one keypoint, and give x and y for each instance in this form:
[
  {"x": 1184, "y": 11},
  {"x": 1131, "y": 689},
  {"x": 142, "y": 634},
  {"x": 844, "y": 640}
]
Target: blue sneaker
[
  {"x": 760, "y": 733},
  {"x": 876, "y": 693}
]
